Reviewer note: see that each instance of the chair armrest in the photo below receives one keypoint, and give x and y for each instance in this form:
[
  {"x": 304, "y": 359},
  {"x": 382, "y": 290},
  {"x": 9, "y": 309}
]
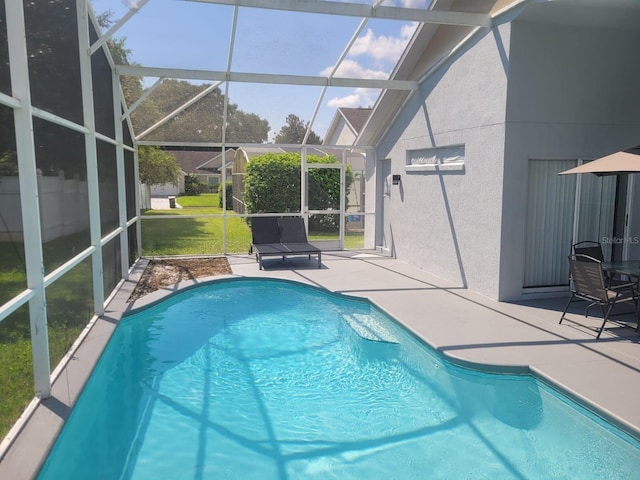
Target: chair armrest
[{"x": 623, "y": 286}]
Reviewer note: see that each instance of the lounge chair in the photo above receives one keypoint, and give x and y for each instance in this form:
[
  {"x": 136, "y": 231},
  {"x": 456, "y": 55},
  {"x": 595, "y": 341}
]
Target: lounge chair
[
  {"x": 264, "y": 230},
  {"x": 589, "y": 284},
  {"x": 281, "y": 237}
]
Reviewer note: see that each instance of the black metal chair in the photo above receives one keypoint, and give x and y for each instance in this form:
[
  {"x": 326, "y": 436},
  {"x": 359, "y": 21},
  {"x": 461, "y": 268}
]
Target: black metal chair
[
  {"x": 589, "y": 284},
  {"x": 593, "y": 249},
  {"x": 589, "y": 248}
]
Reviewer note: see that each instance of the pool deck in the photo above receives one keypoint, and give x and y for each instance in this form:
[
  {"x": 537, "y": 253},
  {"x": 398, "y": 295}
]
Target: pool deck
[{"x": 465, "y": 326}]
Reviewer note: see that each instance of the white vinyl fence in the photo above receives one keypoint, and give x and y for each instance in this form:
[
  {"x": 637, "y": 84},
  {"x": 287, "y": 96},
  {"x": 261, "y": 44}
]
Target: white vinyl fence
[{"x": 63, "y": 203}]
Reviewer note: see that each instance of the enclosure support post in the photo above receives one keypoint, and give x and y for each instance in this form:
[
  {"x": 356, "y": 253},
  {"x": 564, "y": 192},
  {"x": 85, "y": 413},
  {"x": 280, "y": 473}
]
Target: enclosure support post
[
  {"x": 29, "y": 198},
  {"x": 343, "y": 197},
  {"x": 91, "y": 153},
  {"x": 120, "y": 169}
]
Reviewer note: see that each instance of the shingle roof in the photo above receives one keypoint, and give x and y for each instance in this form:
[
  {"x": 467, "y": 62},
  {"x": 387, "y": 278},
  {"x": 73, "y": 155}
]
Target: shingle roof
[
  {"x": 356, "y": 117},
  {"x": 189, "y": 161}
]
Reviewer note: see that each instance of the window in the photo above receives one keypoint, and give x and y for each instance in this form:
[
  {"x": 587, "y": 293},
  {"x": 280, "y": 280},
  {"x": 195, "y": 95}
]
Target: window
[{"x": 436, "y": 159}]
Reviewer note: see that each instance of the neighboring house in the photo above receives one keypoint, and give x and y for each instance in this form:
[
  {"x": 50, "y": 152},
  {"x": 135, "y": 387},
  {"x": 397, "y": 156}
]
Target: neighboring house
[
  {"x": 346, "y": 126},
  {"x": 498, "y": 113},
  {"x": 210, "y": 172},
  {"x": 205, "y": 165}
]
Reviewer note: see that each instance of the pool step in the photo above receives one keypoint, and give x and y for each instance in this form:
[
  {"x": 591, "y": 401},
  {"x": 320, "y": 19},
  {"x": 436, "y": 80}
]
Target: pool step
[{"x": 370, "y": 328}]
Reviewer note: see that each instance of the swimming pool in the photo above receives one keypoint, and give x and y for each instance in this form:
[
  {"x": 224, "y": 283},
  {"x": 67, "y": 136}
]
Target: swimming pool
[{"x": 269, "y": 379}]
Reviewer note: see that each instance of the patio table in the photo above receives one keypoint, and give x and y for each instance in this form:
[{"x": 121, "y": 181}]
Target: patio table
[{"x": 630, "y": 268}]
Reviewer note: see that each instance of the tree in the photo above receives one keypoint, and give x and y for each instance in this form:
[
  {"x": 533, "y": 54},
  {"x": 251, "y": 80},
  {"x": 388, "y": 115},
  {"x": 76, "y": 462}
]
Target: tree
[
  {"x": 246, "y": 127},
  {"x": 203, "y": 120},
  {"x": 294, "y": 131},
  {"x": 157, "y": 167},
  {"x": 199, "y": 122},
  {"x": 132, "y": 87}
]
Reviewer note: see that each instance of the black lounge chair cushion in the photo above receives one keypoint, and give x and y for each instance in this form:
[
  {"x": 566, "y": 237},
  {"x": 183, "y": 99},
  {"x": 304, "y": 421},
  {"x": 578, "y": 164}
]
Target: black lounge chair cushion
[
  {"x": 265, "y": 230},
  {"x": 292, "y": 230}
]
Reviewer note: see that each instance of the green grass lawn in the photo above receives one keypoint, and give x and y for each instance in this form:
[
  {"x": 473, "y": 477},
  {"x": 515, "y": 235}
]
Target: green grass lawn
[
  {"x": 193, "y": 236},
  {"x": 199, "y": 236},
  {"x": 204, "y": 200},
  {"x": 69, "y": 308}
]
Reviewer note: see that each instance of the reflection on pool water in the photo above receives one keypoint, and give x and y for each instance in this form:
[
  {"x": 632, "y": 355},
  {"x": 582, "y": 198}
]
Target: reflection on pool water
[{"x": 264, "y": 379}]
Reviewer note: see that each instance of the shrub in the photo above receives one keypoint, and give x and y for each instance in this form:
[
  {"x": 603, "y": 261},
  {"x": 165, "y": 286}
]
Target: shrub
[
  {"x": 272, "y": 185},
  {"x": 229, "y": 189},
  {"x": 192, "y": 186}
]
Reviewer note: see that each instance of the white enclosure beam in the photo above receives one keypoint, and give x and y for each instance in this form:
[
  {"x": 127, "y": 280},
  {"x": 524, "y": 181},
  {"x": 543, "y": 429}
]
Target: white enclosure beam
[
  {"x": 225, "y": 114},
  {"x": 29, "y": 200},
  {"x": 14, "y": 304},
  {"x": 91, "y": 151},
  {"x": 53, "y": 118},
  {"x": 145, "y": 94},
  {"x": 9, "y": 101},
  {"x": 363, "y": 10},
  {"x": 136, "y": 182},
  {"x": 275, "y": 79},
  {"x": 343, "y": 198},
  {"x": 122, "y": 184}
]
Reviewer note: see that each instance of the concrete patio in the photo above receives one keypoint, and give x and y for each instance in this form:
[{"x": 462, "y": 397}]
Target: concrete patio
[{"x": 466, "y": 327}]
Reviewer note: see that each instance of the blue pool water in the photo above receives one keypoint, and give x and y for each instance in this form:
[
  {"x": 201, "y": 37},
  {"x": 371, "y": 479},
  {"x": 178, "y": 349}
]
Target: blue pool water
[{"x": 255, "y": 379}]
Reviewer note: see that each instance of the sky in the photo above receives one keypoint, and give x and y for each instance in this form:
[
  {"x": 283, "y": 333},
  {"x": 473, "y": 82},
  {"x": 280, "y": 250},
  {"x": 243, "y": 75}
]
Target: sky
[{"x": 197, "y": 35}]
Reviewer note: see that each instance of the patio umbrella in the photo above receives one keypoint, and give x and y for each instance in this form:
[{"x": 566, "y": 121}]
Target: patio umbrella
[{"x": 626, "y": 161}]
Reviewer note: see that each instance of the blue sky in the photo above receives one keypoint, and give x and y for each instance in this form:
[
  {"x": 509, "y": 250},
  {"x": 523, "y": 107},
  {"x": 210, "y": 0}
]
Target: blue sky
[{"x": 193, "y": 35}]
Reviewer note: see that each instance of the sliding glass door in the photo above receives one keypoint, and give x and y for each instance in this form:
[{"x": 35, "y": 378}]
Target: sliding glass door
[{"x": 565, "y": 209}]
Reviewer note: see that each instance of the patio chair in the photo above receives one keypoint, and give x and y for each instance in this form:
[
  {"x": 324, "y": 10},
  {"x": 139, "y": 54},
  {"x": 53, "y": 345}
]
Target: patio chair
[
  {"x": 589, "y": 248},
  {"x": 593, "y": 249},
  {"x": 589, "y": 284}
]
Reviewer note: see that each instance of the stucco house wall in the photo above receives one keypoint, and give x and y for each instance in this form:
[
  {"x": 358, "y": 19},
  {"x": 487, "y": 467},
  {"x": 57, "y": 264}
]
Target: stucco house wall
[
  {"x": 449, "y": 223},
  {"x": 572, "y": 93},
  {"x": 550, "y": 83}
]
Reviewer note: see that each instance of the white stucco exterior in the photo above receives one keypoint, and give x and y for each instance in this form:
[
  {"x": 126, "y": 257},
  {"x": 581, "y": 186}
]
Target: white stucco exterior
[
  {"x": 538, "y": 85},
  {"x": 449, "y": 222},
  {"x": 573, "y": 93}
]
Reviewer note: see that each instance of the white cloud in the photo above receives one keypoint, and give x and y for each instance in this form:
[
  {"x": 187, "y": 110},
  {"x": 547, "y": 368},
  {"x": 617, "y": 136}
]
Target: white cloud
[
  {"x": 350, "y": 101},
  {"x": 352, "y": 69},
  {"x": 382, "y": 48},
  {"x": 363, "y": 97}
]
